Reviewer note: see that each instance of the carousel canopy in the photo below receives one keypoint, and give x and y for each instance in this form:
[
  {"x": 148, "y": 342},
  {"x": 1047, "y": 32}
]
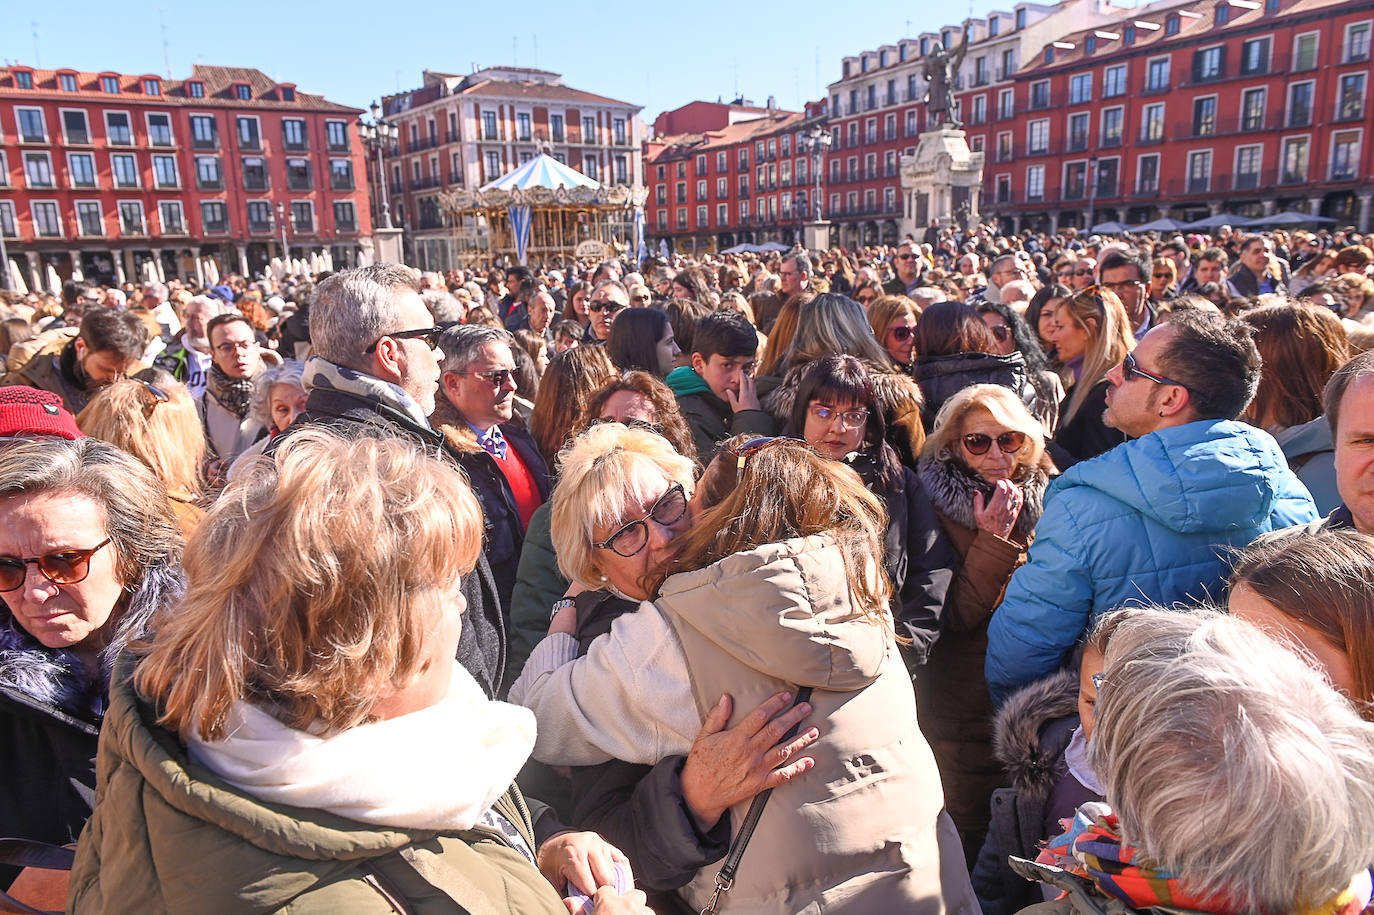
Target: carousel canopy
[{"x": 541, "y": 171}]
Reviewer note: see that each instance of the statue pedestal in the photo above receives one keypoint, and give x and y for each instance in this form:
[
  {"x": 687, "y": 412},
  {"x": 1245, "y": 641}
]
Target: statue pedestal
[
  {"x": 816, "y": 235},
  {"x": 386, "y": 246},
  {"x": 942, "y": 181}
]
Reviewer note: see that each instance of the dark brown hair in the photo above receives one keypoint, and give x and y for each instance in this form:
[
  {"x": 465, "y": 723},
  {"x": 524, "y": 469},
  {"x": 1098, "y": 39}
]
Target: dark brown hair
[{"x": 1301, "y": 347}]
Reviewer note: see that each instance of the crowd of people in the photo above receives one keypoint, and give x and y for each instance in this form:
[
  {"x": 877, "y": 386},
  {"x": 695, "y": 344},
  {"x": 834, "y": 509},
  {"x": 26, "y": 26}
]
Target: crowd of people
[{"x": 978, "y": 573}]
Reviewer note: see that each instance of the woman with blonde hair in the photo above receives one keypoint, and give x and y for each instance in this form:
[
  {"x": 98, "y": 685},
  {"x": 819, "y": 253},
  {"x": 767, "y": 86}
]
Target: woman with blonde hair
[
  {"x": 773, "y": 589},
  {"x": 1091, "y": 333},
  {"x": 985, "y": 470},
  {"x": 893, "y": 319},
  {"x": 158, "y": 424},
  {"x": 328, "y": 737},
  {"x": 1163, "y": 280}
]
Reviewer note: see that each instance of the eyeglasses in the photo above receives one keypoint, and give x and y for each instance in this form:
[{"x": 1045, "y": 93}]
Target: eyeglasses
[
  {"x": 157, "y": 396},
  {"x": 65, "y": 567},
  {"x": 851, "y": 419},
  {"x": 906, "y": 257},
  {"x": 610, "y": 306},
  {"x": 633, "y": 537},
  {"x": 1001, "y": 331},
  {"x": 1161, "y": 276},
  {"x": 243, "y": 346},
  {"x": 1087, "y": 272},
  {"x": 497, "y": 378},
  {"x": 903, "y": 333},
  {"x": 429, "y": 334},
  {"x": 1007, "y": 442},
  {"x": 752, "y": 447},
  {"x": 1131, "y": 369}
]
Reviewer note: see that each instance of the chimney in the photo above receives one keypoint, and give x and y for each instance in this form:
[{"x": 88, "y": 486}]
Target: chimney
[{"x": 772, "y": 105}]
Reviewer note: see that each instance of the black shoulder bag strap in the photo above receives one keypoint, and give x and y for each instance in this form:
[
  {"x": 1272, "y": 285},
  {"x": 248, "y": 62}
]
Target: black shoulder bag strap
[
  {"x": 28, "y": 853},
  {"x": 725, "y": 877}
]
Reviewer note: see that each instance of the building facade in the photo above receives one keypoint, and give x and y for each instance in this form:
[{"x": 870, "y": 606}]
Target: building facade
[
  {"x": 466, "y": 131},
  {"x": 747, "y": 176},
  {"x": 1187, "y": 110},
  {"x": 113, "y": 177}
]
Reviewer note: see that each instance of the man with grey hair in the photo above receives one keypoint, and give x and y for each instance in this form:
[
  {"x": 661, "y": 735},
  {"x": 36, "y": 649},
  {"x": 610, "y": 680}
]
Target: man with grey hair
[
  {"x": 187, "y": 358},
  {"x": 1005, "y": 268},
  {"x": 374, "y": 371},
  {"x": 502, "y": 461},
  {"x": 795, "y": 274},
  {"x": 444, "y": 307},
  {"x": 1228, "y": 759},
  {"x": 1017, "y": 295}
]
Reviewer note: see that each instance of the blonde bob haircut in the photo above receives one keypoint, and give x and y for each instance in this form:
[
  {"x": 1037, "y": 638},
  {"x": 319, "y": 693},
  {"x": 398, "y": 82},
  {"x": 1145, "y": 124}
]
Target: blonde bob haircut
[
  {"x": 885, "y": 309},
  {"x": 1110, "y": 337},
  {"x": 600, "y": 474},
  {"x": 167, "y": 437},
  {"x": 312, "y": 586},
  {"x": 1005, "y": 408}
]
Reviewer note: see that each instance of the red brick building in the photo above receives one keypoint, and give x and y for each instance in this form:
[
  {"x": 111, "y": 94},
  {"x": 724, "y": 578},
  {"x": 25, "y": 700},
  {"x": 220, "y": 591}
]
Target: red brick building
[
  {"x": 112, "y": 176},
  {"x": 745, "y": 176},
  {"x": 1188, "y": 110}
]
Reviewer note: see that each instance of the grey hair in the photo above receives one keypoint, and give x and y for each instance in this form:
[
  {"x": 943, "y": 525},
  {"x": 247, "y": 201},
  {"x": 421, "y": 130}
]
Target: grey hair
[
  {"x": 803, "y": 262},
  {"x": 1231, "y": 761},
  {"x": 353, "y": 308},
  {"x": 138, "y": 515},
  {"x": 460, "y": 344},
  {"x": 444, "y": 306},
  {"x": 289, "y": 372},
  {"x": 216, "y": 306}
]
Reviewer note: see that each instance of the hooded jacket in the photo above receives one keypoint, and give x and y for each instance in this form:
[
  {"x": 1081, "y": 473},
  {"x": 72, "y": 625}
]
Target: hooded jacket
[
  {"x": 941, "y": 377},
  {"x": 1311, "y": 453},
  {"x": 1149, "y": 521},
  {"x": 862, "y": 831},
  {"x": 167, "y": 835}
]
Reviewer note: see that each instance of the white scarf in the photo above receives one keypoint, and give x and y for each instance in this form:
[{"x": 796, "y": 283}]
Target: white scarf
[{"x": 438, "y": 768}]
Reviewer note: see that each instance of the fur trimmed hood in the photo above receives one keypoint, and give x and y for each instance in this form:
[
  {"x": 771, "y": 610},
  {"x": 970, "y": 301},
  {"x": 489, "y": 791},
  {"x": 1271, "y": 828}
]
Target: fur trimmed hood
[
  {"x": 450, "y": 423},
  {"x": 56, "y": 678},
  {"x": 1018, "y": 725},
  {"x": 951, "y": 487},
  {"x": 898, "y": 393}
]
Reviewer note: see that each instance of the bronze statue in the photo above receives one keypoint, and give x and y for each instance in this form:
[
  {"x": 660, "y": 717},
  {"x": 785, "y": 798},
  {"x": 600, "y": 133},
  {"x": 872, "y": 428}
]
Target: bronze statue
[{"x": 941, "y": 67}]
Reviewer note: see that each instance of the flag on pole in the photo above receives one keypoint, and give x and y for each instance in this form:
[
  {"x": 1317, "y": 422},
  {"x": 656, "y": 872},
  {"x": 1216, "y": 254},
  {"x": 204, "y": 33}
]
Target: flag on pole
[{"x": 520, "y": 230}]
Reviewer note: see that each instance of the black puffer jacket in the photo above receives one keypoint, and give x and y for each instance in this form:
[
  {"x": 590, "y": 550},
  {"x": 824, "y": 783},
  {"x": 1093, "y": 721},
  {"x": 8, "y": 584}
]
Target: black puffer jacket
[
  {"x": 941, "y": 377},
  {"x": 51, "y": 709}
]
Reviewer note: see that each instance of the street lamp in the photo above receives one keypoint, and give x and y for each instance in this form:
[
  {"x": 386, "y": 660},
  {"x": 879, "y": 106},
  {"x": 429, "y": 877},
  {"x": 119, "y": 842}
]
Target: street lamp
[
  {"x": 377, "y": 135},
  {"x": 817, "y": 140}
]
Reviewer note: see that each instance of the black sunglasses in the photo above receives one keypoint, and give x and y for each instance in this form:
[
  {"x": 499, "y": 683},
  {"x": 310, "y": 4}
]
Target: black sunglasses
[
  {"x": 599, "y": 307},
  {"x": 1007, "y": 442},
  {"x": 429, "y": 334},
  {"x": 1131, "y": 369},
  {"x": 497, "y": 377},
  {"x": 65, "y": 567},
  {"x": 903, "y": 333},
  {"x": 633, "y": 537}
]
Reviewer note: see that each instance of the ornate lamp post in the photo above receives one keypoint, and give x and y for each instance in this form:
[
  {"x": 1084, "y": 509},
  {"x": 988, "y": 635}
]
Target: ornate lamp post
[
  {"x": 377, "y": 135},
  {"x": 817, "y": 140}
]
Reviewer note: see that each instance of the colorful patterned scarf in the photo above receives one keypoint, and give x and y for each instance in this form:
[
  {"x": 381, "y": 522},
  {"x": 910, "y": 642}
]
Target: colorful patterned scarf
[{"x": 1092, "y": 847}]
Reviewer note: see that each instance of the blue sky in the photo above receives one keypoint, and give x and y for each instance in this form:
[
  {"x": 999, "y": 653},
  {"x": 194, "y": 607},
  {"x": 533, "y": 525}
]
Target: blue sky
[{"x": 656, "y": 55}]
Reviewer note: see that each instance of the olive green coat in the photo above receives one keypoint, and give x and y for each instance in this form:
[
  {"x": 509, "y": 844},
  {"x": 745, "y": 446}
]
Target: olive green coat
[{"x": 168, "y": 836}]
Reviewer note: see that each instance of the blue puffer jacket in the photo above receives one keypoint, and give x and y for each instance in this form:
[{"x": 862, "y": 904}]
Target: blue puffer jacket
[{"x": 1150, "y": 520}]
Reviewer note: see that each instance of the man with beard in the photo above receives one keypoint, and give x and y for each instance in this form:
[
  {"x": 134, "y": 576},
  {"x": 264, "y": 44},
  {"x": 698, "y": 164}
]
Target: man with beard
[
  {"x": 187, "y": 358},
  {"x": 107, "y": 347},
  {"x": 236, "y": 366}
]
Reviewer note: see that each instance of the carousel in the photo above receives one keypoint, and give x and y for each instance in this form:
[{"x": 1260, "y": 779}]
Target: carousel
[{"x": 544, "y": 211}]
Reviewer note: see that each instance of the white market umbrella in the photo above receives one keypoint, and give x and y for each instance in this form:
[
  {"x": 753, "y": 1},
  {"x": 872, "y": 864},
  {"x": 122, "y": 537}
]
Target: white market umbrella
[
  {"x": 54, "y": 281},
  {"x": 211, "y": 272},
  {"x": 17, "y": 283}
]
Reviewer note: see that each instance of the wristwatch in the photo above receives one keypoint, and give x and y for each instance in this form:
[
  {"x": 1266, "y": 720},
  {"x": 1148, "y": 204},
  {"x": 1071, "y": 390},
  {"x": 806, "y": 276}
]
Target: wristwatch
[{"x": 562, "y": 603}]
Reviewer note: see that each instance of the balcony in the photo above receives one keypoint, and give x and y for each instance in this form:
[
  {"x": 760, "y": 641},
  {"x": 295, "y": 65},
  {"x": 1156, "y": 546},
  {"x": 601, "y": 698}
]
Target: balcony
[
  {"x": 173, "y": 228},
  {"x": 295, "y": 146},
  {"x": 1158, "y": 87},
  {"x": 210, "y": 142},
  {"x": 209, "y": 184},
  {"x": 453, "y": 137},
  {"x": 259, "y": 226},
  {"x": 218, "y": 227},
  {"x": 341, "y": 182},
  {"x": 1077, "y": 144},
  {"x": 299, "y": 184},
  {"x": 420, "y": 144}
]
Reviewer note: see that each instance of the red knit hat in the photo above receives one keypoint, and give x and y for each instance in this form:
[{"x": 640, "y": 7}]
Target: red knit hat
[{"x": 26, "y": 411}]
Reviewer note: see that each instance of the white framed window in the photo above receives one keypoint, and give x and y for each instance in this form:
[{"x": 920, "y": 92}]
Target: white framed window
[
  {"x": 1253, "y": 102},
  {"x": 744, "y": 209},
  {"x": 293, "y": 135},
  {"x": 214, "y": 217},
  {"x": 1204, "y": 116},
  {"x": 1080, "y": 128},
  {"x": 4, "y": 170},
  {"x": 722, "y": 161},
  {"x": 1112, "y": 119},
  {"x": 38, "y": 169},
  {"x": 661, "y": 220},
  {"x": 171, "y": 217},
  {"x": 1075, "y": 180},
  {"x": 1350, "y": 93},
  {"x": 66, "y": 82},
  {"x": 1114, "y": 81},
  {"x": 1005, "y": 146},
  {"x": 1249, "y": 162},
  {"x": 109, "y": 85},
  {"x": 1199, "y": 171},
  {"x": 76, "y": 130},
  {"x": 209, "y": 175},
  {"x": 8, "y": 226},
  {"x": 345, "y": 216},
  {"x": 1147, "y": 174},
  {"x": 119, "y": 129},
  {"x": 589, "y": 168},
  {"x": 1006, "y": 105},
  {"x": 249, "y": 131},
  {"x": 47, "y": 219},
  {"x": 1355, "y": 48},
  {"x": 1080, "y": 88},
  {"x": 1157, "y": 74},
  {"x": 259, "y": 215},
  {"x": 159, "y": 128},
  {"x": 1152, "y": 123},
  {"x": 1345, "y": 154},
  {"x": 722, "y": 215},
  {"x": 124, "y": 170},
  {"x": 303, "y": 215},
  {"x": 33, "y": 127},
  {"x": 165, "y": 173},
  {"x": 336, "y": 136},
  {"x": 204, "y": 131},
  {"x": 1300, "y": 102},
  {"x": 1305, "y": 46},
  {"x": 1294, "y": 160},
  {"x": 1038, "y": 137},
  {"x": 702, "y": 217},
  {"x": 81, "y": 169},
  {"x": 722, "y": 187},
  {"x": 1035, "y": 182},
  {"x": 90, "y": 221},
  {"x": 131, "y": 221}
]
